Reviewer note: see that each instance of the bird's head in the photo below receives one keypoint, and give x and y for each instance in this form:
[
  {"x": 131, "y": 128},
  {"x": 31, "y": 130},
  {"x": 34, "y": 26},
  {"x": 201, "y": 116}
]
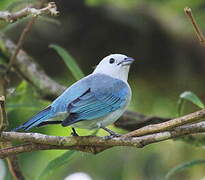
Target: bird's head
[{"x": 115, "y": 65}]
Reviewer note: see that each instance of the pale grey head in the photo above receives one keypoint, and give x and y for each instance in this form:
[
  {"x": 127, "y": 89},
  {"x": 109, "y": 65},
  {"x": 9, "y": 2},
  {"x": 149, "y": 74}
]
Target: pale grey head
[{"x": 115, "y": 65}]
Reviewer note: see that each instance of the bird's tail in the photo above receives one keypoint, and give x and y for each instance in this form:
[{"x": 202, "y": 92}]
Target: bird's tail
[{"x": 34, "y": 121}]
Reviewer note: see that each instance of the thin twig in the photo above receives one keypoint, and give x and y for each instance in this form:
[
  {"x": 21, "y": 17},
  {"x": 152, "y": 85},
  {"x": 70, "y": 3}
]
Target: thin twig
[
  {"x": 199, "y": 34},
  {"x": 51, "y": 8},
  {"x": 20, "y": 42},
  {"x": 190, "y": 118},
  {"x": 29, "y": 11}
]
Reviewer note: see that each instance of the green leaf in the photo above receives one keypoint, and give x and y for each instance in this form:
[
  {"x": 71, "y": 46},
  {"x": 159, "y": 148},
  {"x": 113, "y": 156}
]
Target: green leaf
[
  {"x": 191, "y": 97},
  {"x": 56, "y": 163},
  {"x": 69, "y": 61},
  {"x": 182, "y": 167}
]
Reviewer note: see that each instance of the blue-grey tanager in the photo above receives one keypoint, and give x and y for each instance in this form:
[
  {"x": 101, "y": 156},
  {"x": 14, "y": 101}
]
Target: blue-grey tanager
[{"x": 93, "y": 102}]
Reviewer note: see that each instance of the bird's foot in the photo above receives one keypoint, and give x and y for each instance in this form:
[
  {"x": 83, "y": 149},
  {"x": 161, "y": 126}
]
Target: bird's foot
[
  {"x": 74, "y": 133},
  {"x": 112, "y": 133}
]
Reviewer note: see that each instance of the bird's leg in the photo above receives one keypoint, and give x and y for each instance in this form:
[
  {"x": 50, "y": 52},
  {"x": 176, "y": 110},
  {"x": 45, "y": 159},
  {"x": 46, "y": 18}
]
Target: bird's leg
[
  {"x": 74, "y": 133},
  {"x": 112, "y": 133}
]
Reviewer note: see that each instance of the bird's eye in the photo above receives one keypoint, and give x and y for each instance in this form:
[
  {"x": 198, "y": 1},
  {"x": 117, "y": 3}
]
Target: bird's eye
[{"x": 112, "y": 60}]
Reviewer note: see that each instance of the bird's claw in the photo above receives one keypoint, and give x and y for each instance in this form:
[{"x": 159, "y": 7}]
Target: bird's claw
[
  {"x": 74, "y": 133},
  {"x": 112, "y": 133},
  {"x": 115, "y": 135},
  {"x": 112, "y": 136}
]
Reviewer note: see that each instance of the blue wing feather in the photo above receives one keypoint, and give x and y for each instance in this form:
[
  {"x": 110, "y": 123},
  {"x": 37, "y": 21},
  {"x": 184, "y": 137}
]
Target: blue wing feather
[
  {"x": 58, "y": 106},
  {"x": 37, "y": 119},
  {"x": 100, "y": 100}
]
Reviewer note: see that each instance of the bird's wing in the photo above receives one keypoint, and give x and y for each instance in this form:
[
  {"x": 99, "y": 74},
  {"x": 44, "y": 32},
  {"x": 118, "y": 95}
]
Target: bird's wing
[
  {"x": 73, "y": 92},
  {"x": 104, "y": 96},
  {"x": 59, "y": 106}
]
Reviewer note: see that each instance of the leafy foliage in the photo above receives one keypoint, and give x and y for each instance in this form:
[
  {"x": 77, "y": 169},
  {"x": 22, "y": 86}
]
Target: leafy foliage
[
  {"x": 183, "y": 166},
  {"x": 56, "y": 163},
  {"x": 190, "y": 97},
  {"x": 69, "y": 61}
]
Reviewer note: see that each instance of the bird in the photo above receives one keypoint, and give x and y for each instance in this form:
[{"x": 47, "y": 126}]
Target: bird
[{"x": 93, "y": 102}]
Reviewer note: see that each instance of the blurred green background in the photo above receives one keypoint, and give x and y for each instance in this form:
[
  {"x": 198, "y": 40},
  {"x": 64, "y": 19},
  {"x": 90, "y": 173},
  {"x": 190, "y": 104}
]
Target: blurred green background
[{"x": 169, "y": 61}]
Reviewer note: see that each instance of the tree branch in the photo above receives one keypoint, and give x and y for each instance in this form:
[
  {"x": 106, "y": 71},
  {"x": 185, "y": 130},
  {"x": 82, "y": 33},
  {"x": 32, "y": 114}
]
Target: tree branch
[
  {"x": 30, "y": 70},
  {"x": 30, "y": 147},
  {"x": 28, "y": 11},
  {"x": 91, "y": 144},
  {"x": 190, "y": 118},
  {"x": 199, "y": 34}
]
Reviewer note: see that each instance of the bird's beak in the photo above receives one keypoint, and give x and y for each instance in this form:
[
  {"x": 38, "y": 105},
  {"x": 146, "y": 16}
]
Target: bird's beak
[{"x": 127, "y": 61}]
